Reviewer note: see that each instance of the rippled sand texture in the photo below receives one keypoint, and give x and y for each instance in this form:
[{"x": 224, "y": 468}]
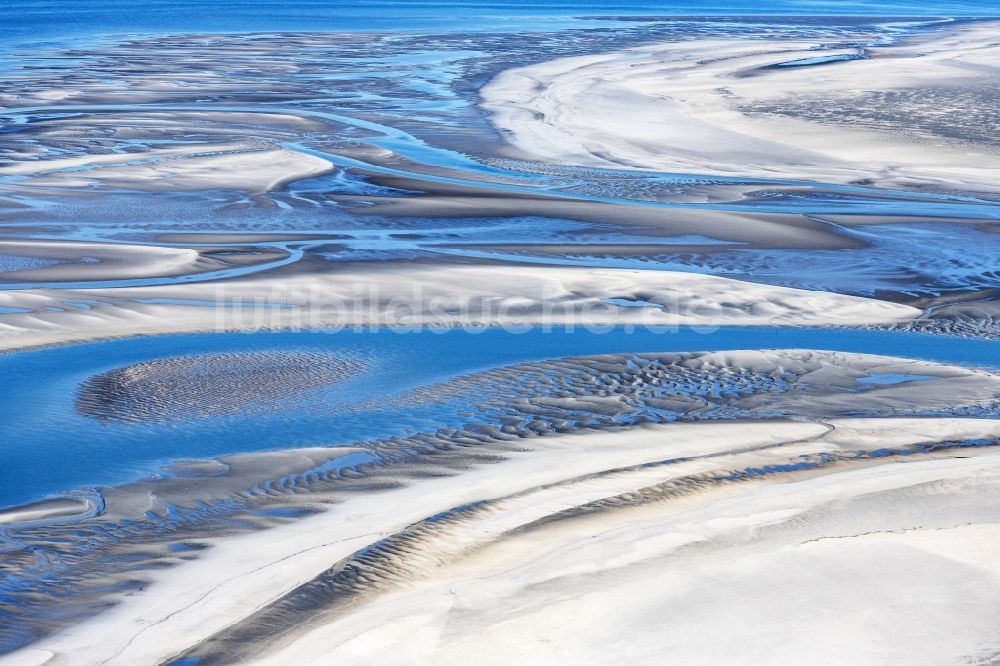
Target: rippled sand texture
[
  {"x": 163, "y": 522},
  {"x": 193, "y": 387},
  {"x": 572, "y": 455},
  {"x": 527, "y": 498}
]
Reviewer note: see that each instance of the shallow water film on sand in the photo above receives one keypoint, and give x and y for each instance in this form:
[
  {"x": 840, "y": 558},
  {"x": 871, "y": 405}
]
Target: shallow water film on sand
[{"x": 551, "y": 333}]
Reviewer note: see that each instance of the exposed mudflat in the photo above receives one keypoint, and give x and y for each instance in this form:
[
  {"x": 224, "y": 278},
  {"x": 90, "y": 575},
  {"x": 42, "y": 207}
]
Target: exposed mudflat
[{"x": 596, "y": 340}]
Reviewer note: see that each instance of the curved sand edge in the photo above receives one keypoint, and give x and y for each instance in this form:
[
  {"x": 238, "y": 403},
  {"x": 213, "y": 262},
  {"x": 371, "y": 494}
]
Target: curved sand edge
[
  {"x": 430, "y": 296},
  {"x": 771, "y": 525},
  {"x": 727, "y": 107}
]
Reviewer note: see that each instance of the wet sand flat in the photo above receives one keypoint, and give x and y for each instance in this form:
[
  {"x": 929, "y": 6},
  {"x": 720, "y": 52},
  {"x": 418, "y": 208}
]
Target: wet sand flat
[{"x": 587, "y": 338}]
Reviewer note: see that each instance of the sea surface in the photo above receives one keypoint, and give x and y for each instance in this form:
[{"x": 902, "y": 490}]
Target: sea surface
[{"x": 38, "y": 21}]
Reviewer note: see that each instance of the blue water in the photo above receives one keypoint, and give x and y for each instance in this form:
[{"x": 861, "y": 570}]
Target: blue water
[
  {"x": 40, "y": 422},
  {"x": 890, "y": 378},
  {"x": 38, "y": 21},
  {"x": 821, "y": 60}
]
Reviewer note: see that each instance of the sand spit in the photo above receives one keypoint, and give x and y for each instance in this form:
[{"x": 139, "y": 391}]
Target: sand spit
[
  {"x": 886, "y": 115},
  {"x": 759, "y": 229},
  {"x": 253, "y": 166},
  {"x": 47, "y": 510},
  {"x": 423, "y": 295},
  {"x": 75, "y": 261},
  {"x": 472, "y": 577}
]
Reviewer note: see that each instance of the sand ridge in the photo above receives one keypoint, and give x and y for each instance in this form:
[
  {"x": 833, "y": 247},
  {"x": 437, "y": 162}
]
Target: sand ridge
[{"x": 716, "y": 106}]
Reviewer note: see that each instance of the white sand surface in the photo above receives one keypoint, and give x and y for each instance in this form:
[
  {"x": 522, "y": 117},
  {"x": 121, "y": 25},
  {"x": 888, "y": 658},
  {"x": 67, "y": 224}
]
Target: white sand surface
[
  {"x": 47, "y": 509},
  {"x": 763, "y": 577},
  {"x": 424, "y": 295},
  {"x": 83, "y": 261},
  {"x": 851, "y": 562},
  {"x": 254, "y": 167},
  {"x": 702, "y": 106}
]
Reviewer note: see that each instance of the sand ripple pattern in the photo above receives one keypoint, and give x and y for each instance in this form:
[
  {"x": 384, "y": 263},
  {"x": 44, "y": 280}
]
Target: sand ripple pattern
[
  {"x": 504, "y": 414},
  {"x": 208, "y": 385}
]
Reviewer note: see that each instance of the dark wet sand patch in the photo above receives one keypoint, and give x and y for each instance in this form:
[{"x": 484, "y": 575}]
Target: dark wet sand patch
[{"x": 209, "y": 385}]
